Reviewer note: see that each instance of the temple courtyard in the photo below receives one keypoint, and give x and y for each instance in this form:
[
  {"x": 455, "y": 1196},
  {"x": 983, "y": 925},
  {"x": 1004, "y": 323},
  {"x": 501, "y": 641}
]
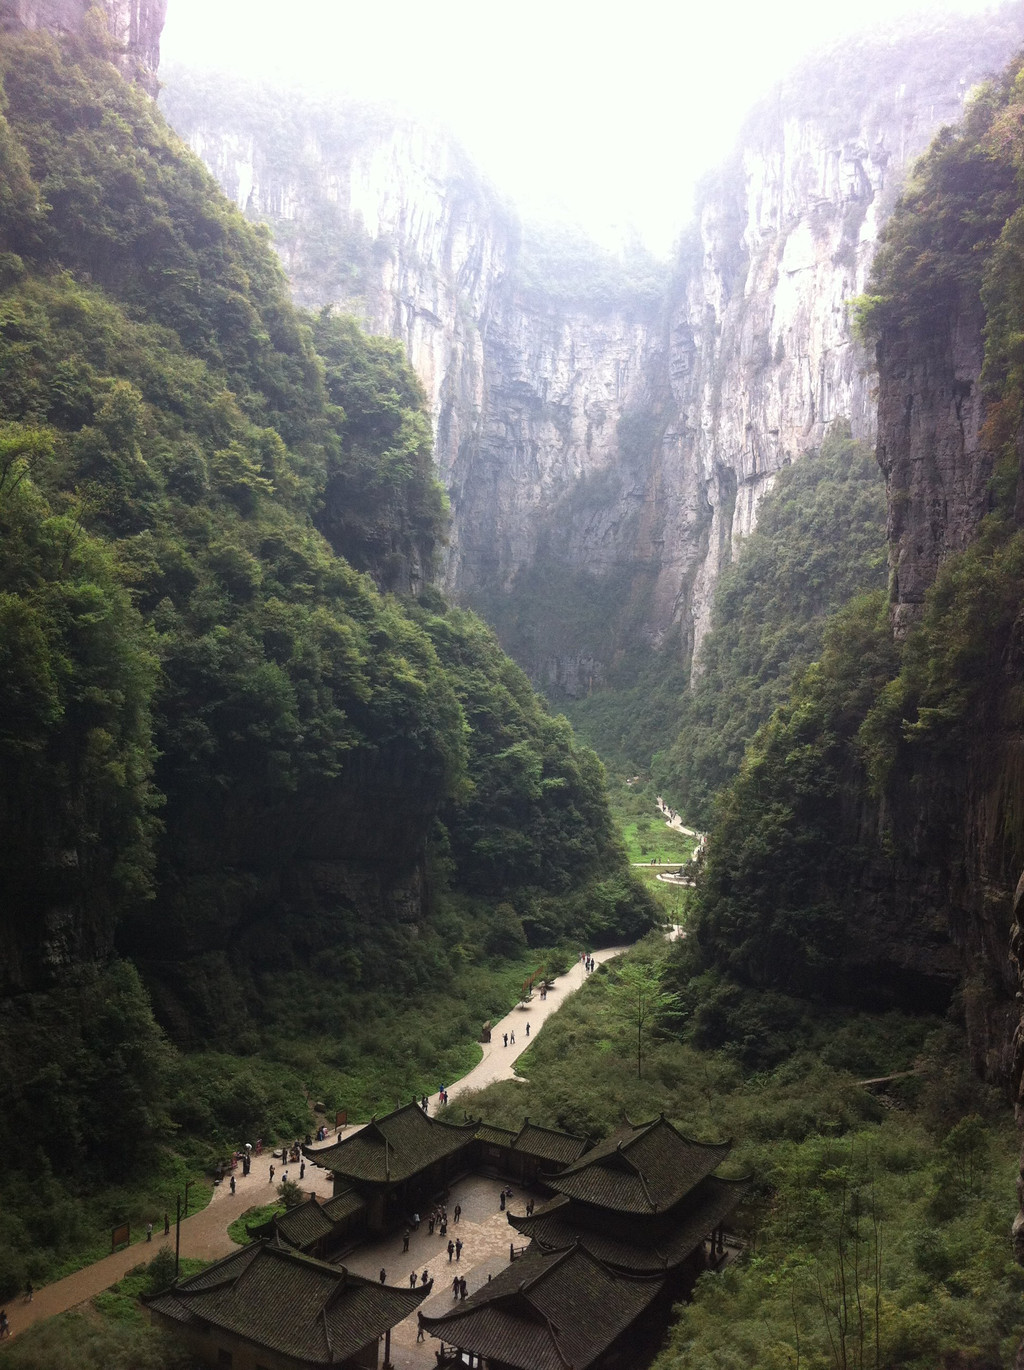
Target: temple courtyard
[{"x": 485, "y": 1233}]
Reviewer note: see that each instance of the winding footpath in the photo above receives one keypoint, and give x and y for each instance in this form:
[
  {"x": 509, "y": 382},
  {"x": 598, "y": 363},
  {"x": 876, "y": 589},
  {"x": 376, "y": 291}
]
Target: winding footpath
[{"x": 205, "y": 1234}]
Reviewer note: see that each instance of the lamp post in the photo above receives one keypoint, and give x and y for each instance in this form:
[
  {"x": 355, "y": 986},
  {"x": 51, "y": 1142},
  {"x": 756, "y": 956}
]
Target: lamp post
[{"x": 177, "y": 1226}]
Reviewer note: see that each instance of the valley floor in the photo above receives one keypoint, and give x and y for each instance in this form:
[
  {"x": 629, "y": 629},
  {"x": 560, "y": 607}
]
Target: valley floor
[{"x": 205, "y": 1234}]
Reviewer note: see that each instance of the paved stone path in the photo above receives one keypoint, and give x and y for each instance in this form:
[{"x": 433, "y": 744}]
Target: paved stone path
[
  {"x": 498, "y": 1060},
  {"x": 204, "y": 1234},
  {"x": 672, "y": 820},
  {"x": 485, "y": 1231}
]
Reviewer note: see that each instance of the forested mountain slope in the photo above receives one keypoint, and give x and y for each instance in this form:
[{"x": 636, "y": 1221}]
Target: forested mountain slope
[
  {"x": 243, "y": 741},
  {"x": 820, "y": 540},
  {"x": 872, "y": 843},
  {"x": 606, "y": 430}
]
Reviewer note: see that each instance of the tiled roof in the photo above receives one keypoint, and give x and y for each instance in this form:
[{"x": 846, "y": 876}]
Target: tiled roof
[
  {"x": 549, "y": 1144},
  {"x": 287, "y": 1303},
  {"x": 641, "y": 1169},
  {"x": 553, "y": 1229},
  {"x": 532, "y": 1140},
  {"x": 391, "y": 1149},
  {"x": 343, "y": 1205},
  {"x": 496, "y": 1136},
  {"x": 304, "y": 1224},
  {"x": 546, "y": 1312}
]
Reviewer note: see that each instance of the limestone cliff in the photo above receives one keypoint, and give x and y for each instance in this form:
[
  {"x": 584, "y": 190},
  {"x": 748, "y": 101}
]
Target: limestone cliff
[
  {"x": 945, "y": 310},
  {"x": 606, "y": 442},
  {"x": 135, "y": 27}
]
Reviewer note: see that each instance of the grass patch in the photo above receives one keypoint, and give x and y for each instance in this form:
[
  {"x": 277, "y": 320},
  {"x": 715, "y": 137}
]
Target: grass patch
[
  {"x": 121, "y": 1303},
  {"x": 252, "y": 1217}
]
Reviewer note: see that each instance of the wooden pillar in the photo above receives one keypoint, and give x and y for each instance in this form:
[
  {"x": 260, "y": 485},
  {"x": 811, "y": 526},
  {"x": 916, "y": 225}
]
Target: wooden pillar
[{"x": 387, "y": 1348}]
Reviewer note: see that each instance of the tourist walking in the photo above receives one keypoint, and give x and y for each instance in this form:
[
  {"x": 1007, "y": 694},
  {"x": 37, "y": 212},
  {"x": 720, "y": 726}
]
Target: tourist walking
[
  {"x": 458, "y": 1248},
  {"x": 451, "y": 1250},
  {"x": 458, "y": 1212},
  {"x": 383, "y": 1275}
]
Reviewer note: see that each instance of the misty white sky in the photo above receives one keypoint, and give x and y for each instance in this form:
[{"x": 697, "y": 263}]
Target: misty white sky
[{"x": 603, "y": 115}]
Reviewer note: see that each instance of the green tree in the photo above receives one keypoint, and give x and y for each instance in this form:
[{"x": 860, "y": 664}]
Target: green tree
[{"x": 640, "y": 998}]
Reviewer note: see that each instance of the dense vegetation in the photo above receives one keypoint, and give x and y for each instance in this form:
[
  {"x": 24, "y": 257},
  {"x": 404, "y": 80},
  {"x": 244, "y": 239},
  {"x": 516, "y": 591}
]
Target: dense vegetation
[
  {"x": 820, "y": 540},
  {"x": 557, "y": 263},
  {"x": 857, "y": 787},
  {"x": 273, "y": 788},
  {"x": 916, "y": 1177},
  {"x": 251, "y": 766},
  {"x": 294, "y": 135},
  {"x": 874, "y": 816}
]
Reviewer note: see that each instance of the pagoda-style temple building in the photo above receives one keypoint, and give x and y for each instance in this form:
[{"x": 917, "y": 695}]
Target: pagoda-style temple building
[
  {"x": 268, "y": 1308},
  {"x": 548, "y": 1311},
  {"x": 533, "y": 1155},
  {"x": 317, "y": 1227},
  {"x": 642, "y": 1201},
  {"x": 633, "y": 1222},
  {"x": 400, "y": 1164},
  {"x": 395, "y": 1164}
]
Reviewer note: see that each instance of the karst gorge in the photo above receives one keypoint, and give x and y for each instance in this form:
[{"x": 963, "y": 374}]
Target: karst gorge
[{"x": 330, "y": 485}]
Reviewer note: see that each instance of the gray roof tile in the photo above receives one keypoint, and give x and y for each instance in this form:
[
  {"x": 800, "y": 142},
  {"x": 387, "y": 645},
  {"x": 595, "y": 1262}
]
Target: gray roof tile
[
  {"x": 391, "y": 1149},
  {"x": 288, "y": 1303},
  {"x": 547, "y": 1312},
  {"x": 647, "y": 1168}
]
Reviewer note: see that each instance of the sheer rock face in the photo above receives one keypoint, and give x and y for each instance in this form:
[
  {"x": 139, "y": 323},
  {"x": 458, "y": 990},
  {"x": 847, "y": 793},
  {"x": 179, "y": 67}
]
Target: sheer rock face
[
  {"x": 937, "y": 467},
  {"x": 135, "y": 26},
  {"x": 739, "y": 371}
]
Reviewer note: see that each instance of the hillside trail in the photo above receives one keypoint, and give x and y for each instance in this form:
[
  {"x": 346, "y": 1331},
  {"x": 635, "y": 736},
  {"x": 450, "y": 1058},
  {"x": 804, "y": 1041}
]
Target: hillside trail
[
  {"x": 672, "y": 820},
  {"x": 204, "y": 1234}
]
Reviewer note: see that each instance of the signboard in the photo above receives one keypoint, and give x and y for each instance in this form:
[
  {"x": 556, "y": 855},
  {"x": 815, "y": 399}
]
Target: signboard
[
  {"x": 528, "y": 984},
  {"x": 120, "y": 1236},
  {"x": 341, "y": 1118}
]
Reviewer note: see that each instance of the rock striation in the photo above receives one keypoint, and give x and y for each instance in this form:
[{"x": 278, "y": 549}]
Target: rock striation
[
  {"x": 134, "y": 25},
  {"x": 613, "y": 441}
]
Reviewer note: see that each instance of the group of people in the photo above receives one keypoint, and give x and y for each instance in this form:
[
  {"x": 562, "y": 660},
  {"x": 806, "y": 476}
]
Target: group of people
[
  {"x": 459, "y": 1290},
  {"x": 424, "y": 1279},
  {"x": 442, "y": 1099},
  {"x": 589, "y": 963},
  {"x": 437, "y": 1221}
]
